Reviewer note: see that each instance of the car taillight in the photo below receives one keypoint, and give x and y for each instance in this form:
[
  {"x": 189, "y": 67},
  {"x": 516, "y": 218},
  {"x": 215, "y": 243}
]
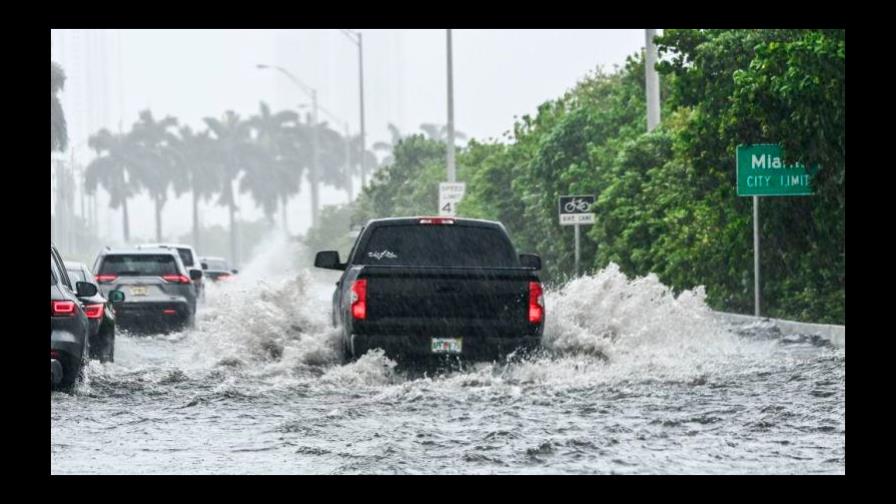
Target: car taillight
[
  {"x": 182, "y": 279},
  {"x": 436, "y": 220},
  {"x": 359, "y": 299},
  {"x": 536, "y": 303},
  {"x": 62, "y": 308},
  {"x": 54, "y": 354},
  {"x": 105, "y": 278},
  {"x": 93, "y": 311},
  {"x": 225, "y": 276}
]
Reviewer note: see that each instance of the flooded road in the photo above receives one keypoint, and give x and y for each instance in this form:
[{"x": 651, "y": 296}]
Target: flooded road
[{"x": 632, "y": 380}]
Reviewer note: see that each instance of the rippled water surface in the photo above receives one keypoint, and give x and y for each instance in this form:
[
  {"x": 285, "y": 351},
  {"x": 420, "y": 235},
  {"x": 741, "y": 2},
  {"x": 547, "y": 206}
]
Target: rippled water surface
[{"x": 632, "y": 380}]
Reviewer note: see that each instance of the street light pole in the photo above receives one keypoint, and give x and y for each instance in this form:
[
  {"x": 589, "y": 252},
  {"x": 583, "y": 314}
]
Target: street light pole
[{"x": 451, "y": 170}]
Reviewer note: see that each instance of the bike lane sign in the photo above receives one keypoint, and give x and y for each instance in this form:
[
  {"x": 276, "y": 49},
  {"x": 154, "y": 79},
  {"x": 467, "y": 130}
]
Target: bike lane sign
[{"x": 576, "y": 210}]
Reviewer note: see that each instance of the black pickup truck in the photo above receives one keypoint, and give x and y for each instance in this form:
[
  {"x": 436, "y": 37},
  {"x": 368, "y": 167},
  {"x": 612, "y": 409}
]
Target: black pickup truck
[{"x": 424, "y": 286}]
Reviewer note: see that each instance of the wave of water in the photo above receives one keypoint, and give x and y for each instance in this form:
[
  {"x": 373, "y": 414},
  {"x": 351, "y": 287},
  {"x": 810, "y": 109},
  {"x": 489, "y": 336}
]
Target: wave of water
[
  {"x": 632, "y": 379},
  {"x": 273, "y": 320}
]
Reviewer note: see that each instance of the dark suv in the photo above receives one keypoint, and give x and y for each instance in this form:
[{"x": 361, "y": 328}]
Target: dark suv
[
  {"x": 69, "y": 328},
  {"x": 159, "y": 289}
]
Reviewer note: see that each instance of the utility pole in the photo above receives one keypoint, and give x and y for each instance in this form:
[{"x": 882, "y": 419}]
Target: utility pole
[
  {"x": 652, "y": 81},
  {"x": 358, "y": 40},
  {"x": 348, "y": 164},
  {"x": 451, "y": 169},
  {"x": 361, "y": 87}
]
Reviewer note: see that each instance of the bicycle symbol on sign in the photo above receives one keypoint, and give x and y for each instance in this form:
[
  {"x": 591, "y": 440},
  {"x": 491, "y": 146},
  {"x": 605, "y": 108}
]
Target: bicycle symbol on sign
[{"x": 577, "y": 204}]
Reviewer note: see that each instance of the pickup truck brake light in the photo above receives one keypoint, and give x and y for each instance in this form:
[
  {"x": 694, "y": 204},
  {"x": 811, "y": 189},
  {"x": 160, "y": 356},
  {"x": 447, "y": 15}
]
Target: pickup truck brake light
[
  {"x": 436, "y": 220},
  {"x": 359, "y": 299},
  {"x": 536, "y": 303}
]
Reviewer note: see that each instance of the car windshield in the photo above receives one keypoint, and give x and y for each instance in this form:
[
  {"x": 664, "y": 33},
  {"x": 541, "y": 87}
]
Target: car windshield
[
  {"x": 439, "y": 245},
  {"x": 139, "y": 265}
]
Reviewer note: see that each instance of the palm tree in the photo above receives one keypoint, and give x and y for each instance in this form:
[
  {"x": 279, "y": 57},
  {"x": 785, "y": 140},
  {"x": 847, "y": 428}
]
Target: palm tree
[
  {"x": 111, "y": 169},
  {"x": 389, "y": 147},
  {"x": 233, "y": 153},
  {"x": 152, "y": 143},
  {"x": 334, "y": 165},
  {"x": 58, "y": 130},
  {"x": 355, "y": 157},
  {"x": 197, "y": 171},
  {"x": 277, "y": 176}
]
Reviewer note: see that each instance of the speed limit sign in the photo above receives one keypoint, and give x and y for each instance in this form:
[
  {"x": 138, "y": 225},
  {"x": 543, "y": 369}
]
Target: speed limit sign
[{"x": 450, "y": 194}]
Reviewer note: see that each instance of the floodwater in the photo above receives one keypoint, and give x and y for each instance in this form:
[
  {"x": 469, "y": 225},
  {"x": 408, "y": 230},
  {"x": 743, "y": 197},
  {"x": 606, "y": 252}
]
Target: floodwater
[{"x": 632, "y": 380}]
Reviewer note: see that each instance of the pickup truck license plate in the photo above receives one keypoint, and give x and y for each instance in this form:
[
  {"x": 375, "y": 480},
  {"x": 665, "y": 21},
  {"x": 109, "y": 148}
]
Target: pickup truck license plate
[
  {"x": 138, "y": 290},
  {"x": 447, "y": 345}
]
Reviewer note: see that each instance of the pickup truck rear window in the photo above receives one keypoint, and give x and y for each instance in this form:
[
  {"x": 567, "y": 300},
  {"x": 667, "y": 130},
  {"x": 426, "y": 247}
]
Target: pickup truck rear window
[
  {"x": 139, "y": 265},
  {"x": 439, "y": 245}
]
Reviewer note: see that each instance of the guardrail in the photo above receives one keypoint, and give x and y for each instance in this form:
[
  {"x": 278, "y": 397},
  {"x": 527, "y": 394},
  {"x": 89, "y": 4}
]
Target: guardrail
[{"x": 836, "y": 334}]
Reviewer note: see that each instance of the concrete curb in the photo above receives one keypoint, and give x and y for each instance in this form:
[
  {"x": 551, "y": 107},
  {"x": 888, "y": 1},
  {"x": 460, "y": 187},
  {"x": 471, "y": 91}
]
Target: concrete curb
[{"x": 836, "y": 334}]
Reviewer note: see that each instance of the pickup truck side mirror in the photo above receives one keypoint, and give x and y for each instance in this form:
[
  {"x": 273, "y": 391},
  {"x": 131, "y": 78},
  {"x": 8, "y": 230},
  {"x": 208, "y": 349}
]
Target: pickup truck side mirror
[
  {"x": 328, "y": 259},
  {"x": 85, "y": 289},
  {"x": 195, "y": 274},
  {"x": 530, "y": 261}
]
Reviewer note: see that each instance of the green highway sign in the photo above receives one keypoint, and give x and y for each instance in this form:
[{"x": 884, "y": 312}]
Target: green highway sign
[{"x": 761, "y": 172}]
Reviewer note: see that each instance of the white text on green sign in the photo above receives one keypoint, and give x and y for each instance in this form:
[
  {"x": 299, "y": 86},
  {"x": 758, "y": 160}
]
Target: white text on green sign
[{"x": 761, "y": 172}]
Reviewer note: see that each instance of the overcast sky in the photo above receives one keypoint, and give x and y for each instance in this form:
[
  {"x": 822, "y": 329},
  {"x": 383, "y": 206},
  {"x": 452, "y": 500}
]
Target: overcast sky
[{"x": 191, "y": 74}]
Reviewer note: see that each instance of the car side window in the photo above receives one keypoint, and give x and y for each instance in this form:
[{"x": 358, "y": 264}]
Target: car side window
[{"x": 61, "y": 271}]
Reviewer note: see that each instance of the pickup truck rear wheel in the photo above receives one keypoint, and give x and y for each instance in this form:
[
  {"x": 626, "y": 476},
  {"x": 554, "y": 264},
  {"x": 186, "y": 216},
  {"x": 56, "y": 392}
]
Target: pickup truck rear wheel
[{"x": 346, "y": 352}]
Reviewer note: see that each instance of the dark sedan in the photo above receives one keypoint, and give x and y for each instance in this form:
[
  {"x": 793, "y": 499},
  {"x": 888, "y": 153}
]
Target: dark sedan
[
  {"x": 100, "y": 313},
  {"x": 216, "y": 268}
]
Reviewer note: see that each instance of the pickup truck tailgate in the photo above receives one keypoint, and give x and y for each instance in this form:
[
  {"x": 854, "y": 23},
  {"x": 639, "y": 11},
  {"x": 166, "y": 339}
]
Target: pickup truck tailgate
[{"x": 471, "y": 299}]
